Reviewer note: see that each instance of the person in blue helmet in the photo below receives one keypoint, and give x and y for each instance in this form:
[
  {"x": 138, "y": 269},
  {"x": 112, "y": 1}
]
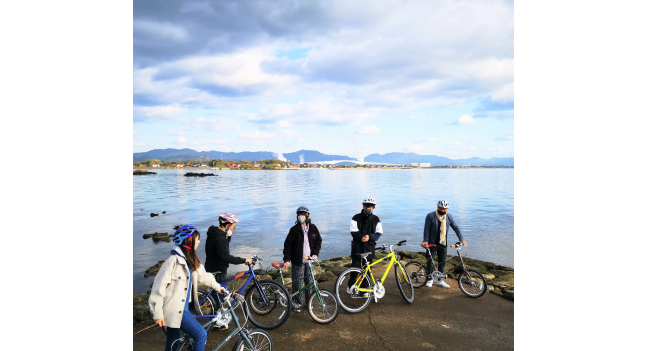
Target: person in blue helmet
[{"x": 176, "y": 284}]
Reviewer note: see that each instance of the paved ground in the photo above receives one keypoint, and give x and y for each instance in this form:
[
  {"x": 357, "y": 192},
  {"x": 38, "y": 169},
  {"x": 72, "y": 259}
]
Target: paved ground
[{"x": 439, "y": 319}]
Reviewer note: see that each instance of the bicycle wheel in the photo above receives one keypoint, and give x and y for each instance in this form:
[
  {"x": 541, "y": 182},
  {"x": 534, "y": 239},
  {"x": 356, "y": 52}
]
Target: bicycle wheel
[
  {"x": 473, "y": 284},
  {"x": 404, "y": 284},
  {"x": 353, "y": 302},
  {"x": 184, "y": 340},
  {"x": 327, "y": 312},
  {"x": 208, "y": 306},
  {"x": 417, "y": 274},
  {"x": 260, "y": 339},
  {"x": 274, "y": 314}
]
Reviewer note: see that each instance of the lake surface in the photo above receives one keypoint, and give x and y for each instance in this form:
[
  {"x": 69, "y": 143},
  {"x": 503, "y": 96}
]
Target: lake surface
[{"x": 481, "y": 202}]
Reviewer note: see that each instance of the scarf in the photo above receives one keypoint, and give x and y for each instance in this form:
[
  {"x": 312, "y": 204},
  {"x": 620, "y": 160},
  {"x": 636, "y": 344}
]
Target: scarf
[{"x": 443, "y": 229}]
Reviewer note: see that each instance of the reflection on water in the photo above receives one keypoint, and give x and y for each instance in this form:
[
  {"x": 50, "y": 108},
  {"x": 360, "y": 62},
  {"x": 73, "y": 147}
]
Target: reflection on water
[{"x": 481, "y": 202}]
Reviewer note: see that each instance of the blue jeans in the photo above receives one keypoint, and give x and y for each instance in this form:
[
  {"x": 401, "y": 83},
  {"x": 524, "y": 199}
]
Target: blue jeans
[{"x": 191, "y": 326}]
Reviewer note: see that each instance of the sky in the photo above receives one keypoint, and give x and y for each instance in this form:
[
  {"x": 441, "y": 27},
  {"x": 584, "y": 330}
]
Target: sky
[{"x": 347, "y": 78}]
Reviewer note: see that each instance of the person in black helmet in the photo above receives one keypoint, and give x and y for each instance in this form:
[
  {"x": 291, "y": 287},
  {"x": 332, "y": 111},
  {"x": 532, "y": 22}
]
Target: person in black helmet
[
  {"x": 303, "y": 240},
  {"x": 366, "y": 229}
]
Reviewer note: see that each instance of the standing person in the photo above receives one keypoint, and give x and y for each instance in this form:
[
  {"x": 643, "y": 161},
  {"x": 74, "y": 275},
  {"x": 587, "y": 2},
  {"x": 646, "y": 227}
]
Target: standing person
[
  {"x": 435, "y": 231},
  {"x": 176, "y": 284},
  {"x": 366, "y": 229},
  {"x": 217, "y": 247},
  {"x": 303, "y": 240}
]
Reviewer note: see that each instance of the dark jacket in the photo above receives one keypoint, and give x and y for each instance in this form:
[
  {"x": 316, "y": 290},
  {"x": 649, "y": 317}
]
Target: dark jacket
[
  {"x": 293, "y": 245},
  {"x": 432, "y": 228},
  {"x": 361, "y": 225},
  {"x": 217, "y": 249}
]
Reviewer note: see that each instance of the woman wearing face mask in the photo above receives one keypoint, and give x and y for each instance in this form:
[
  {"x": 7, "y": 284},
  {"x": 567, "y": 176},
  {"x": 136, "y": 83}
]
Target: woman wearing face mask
[
  {"x": 217, "y": 247},
  {"x": 175, "y": 284},
  {"x": 303, "y": 240},
  {"x": 435, "y": 232},
  {"x": 366, "y": 229}
]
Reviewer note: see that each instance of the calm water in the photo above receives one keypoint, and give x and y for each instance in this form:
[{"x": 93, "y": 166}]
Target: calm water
[{"x": 481, "y": 202}]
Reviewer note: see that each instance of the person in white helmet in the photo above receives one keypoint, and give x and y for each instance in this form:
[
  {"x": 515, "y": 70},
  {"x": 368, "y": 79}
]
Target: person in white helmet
[
  {"x": 303, "y": 240},
  {"x": 217, "y": 246},
  {"x": 366, "y": 229},
  {"x": 435, "y": 231}
]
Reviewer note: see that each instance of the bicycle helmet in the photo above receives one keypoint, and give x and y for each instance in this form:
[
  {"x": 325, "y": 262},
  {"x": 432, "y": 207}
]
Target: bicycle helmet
[
  {"x": 443, "y": 204},
  {"x": 184, "y": 232},
  {"x": 302, "y": 209},
  {"x": 228, "y": 217},
  {"x": 369, "y": 200}
]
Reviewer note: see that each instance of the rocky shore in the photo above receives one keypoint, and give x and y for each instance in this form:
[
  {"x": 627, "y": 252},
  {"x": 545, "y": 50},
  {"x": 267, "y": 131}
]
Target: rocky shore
[
  {"x": 500, "y": 279},
  {"x": 191, "y": 174},
  {"x": 142, "y": 172}
]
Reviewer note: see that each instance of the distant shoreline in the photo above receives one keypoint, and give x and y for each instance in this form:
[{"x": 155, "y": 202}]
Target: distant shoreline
[{"x": 321, "y": 168}]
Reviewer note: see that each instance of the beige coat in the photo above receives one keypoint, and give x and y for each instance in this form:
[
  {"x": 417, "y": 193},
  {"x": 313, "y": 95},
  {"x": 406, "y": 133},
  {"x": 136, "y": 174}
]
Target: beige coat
[{"x": 169, "y": 291}]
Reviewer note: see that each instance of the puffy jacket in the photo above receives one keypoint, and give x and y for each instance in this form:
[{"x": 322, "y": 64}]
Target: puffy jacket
[
  {"x": 432, "y": 228},
  {"x": 363, "y": 224},
  {"x": 217, "y": 249},
  {"x": 170, "y": 289},
  {"x": 293, "y": 245}
]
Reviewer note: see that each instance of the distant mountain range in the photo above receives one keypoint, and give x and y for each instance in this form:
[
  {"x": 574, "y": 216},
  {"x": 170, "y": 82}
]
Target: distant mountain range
[
  {"x": 407, "y": 158},
  {"x": 314, "y": 156}
]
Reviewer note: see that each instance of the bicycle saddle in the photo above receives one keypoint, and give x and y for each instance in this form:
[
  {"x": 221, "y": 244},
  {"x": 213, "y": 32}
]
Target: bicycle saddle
[{"x": 277, "y": 264}]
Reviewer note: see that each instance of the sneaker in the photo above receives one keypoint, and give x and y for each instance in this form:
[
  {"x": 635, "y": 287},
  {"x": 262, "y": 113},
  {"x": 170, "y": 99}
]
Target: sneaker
[
  {"x": 350, "y": 289},
  {"x": 429, "y": 283},
  {"x": 296, "y": 308},
  {"x": 443, "y": 284}
]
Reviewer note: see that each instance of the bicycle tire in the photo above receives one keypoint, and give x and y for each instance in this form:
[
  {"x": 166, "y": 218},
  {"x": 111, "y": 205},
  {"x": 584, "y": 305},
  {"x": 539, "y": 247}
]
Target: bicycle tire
[
  {"x": 330, "y": 310},
  {"x": 209, "y": 306},
  {"x": 417, "y": 275},
  {"x": 463, "y": 281},
  {"x": 339, "y": 291},
  {"x": 280, "y": 293},
  {"x": 261, "y": 339},
  {"x": 403, "y": 280}
]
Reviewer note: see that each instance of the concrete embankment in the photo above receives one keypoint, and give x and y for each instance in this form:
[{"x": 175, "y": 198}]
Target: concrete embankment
[{"x": 443, "y": 319}]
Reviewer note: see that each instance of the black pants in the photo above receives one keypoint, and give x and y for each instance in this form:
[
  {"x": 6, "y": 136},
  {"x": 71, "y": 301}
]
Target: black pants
[
  {"x": 439, "y": 253},
  {"x": 358, "y": 262},
  {"x": 221, "y": 277}
]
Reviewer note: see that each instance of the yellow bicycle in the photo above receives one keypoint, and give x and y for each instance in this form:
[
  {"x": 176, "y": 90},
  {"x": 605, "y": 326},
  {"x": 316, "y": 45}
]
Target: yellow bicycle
[{"x": 355, "y": 287}]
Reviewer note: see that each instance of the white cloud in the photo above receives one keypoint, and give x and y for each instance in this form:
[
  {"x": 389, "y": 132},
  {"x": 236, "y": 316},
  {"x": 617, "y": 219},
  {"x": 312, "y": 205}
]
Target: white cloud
[
  {"x": 465, "y": 119},
  {"x": 135, "y": 132},
  {"x": 369, "y": 130},
  {"x": 172, "y": 131},
  {"x": 221, "y": 141},
  {"x": 414, "y": 117},
  {"x": 431, "y": 139},
  {"x": 508, "y": 136},
  {"x": 257, "y": 135},
  {"x": 456, "y": 142},
  {"x": 415, "y": 148},
  {"x": 167, "y": 112},
  {"x": 138, "y": 144},
  {"x": 181, "y": 141},
  {"x": 497, "y": 149}
]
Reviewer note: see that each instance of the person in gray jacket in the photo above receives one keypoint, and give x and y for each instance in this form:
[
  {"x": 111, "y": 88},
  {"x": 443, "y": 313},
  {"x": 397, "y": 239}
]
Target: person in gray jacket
[{"x": 435, "y": 232}]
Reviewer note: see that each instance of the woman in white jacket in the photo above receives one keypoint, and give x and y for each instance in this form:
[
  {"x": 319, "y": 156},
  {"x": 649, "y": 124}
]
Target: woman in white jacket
[{"x": 176, "y": 284}]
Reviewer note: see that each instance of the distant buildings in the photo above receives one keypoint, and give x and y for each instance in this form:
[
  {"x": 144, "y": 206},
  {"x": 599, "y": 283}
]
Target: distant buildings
[{"x": 420, "y": 165}]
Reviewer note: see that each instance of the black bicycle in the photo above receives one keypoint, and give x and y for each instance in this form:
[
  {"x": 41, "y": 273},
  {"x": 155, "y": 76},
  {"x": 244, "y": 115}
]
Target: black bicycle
[{"x": 472, "y": 283}]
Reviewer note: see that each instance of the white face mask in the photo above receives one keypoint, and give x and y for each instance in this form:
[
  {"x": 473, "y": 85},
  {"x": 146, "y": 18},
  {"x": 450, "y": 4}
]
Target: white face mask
[
  {"x": 301, "y": 219},
  {"x": 229, "y": 232}
]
